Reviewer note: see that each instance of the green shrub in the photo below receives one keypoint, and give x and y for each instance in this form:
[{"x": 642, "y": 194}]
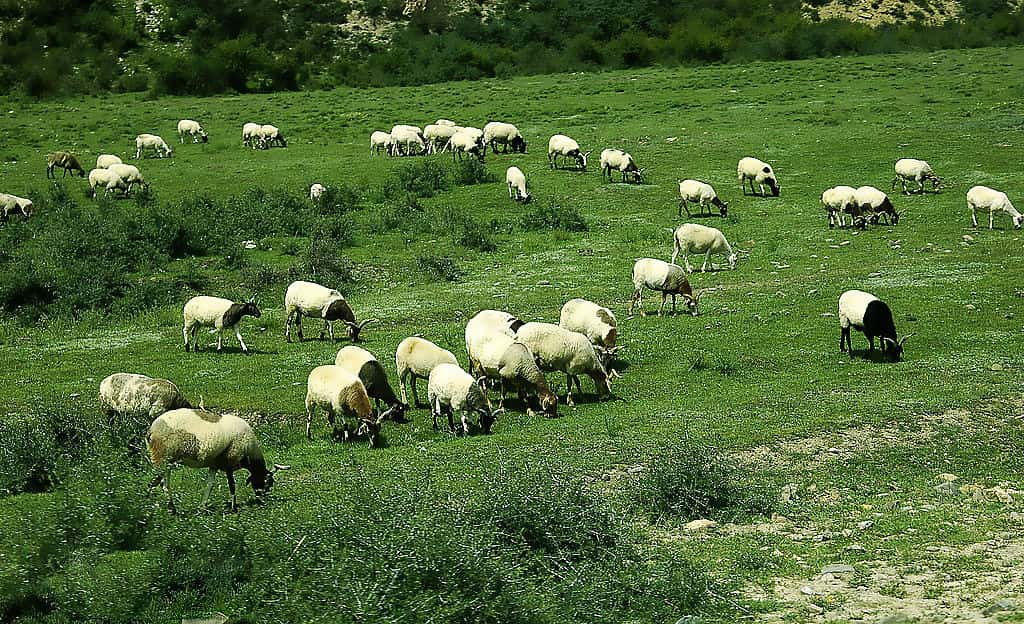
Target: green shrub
[
  {"x": 472, "y": 171},
  {"x": 39, "y": 446},
  {"x": 554, "y": 217},
  {"x": 438, "y": 268},
  {"x": 423, "y": 178}
]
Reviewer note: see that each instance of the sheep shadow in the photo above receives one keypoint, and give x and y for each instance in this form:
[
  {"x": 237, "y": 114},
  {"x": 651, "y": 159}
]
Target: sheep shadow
[{"x": 874, "y": 356}]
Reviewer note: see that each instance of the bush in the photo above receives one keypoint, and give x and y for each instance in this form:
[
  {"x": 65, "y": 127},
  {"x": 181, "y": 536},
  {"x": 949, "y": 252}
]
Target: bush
[
  {"x": 473, "y": 234},
  {"x": 470, "y": 172},
  {"x": 423, "y": 178},
  {"x": 554, "y": 217},
  {"x": 439, "y": 268},
  {"x": 39, "y": 447}
]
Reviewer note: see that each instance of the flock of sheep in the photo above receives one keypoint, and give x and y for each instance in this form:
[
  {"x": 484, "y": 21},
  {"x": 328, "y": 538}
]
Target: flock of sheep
[{"x": 504, "y": 353}]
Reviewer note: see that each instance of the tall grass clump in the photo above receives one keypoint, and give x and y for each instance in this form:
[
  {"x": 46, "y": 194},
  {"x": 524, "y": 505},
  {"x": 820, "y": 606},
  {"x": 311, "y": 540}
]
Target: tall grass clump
[
  {"x": 554, "y": 216},
  {"x": 438, "y": 268}
]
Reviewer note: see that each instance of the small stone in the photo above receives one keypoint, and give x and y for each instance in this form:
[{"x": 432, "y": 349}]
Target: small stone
[
  {"x": 855, "y": 548},
  {"x": 635, "y": 469},
  {"x": 947, "y": 476},
  {"x": 1002, "y": 604},
  {"x": 544, "y": 283},
  {"x": 1016, "y": 516},
  {"x": 838, "y": 568},
  {"x": 827, "y": 315},
  {"x": 834, "y": 449},
  {"x": 875, "y": 274},
  {"x": 701, "y": 525},
  {"x": 946, "y": 487},
  {"x": 865, "y": 525},
  {"x": 789, "y": 492},
  {"x": 996, "y": 367},
  {"x": 807, "y": 590},
  {"x": 1002, "y": 495},
  {"x": 844, "y": 243},
  {"x": 75, "y": 395},
  {"x": 967, "y": 238},
  {"x": 814, "y": 609}
]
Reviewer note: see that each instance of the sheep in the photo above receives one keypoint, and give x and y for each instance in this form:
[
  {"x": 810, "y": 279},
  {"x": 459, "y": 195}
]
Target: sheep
[
  {"x": 220, "y": 314},
  {"x": 869, "y": 314},
  {"x": 451, "y": 389},
  {"x": 437, "y": 137},
  {"x": 139, "y": 396},
  {"x": 516, "y": 181},
  {"x": 994, "y": 201},
  {"x": 511, "y": 364},
  {"x": 916, "y": 170},
  {"x": 104, "y": 161},
  {"x": 404, "y": 139},
  {"x": 757, "y": 171},
  {"x": 316, "y": 191},
  {"x": 506, "y": 134},
  {"x": 200, "y": 439},
  {"x": 316, "y": 301},
  {"x": 561, "y": 145},
  {"x": 593, "y": 321},
  {"x": 492, "y": 321},
  {"x": 620, "y": 161},
  {"x": 558, "y": 349},
  {"x": 64, "y": 160},
  {"x": 868, "y": 199},
  {"x": 364, "y": 365},
  {"x": 837, "y": 200},
  {"x": 130, "y": 174},
  {"x": 696, "y": 238},
  {"x": 251, "y": 134},
  {"x": 107, "y": 179},
  {"x": 445, "y": 122},
  {"x": 702, "y": 194},
  {"x": 415, "y": 357},
  {"x": 465, "y": 143},
  {"x": 12, "y": 203},
  {"x": 151, "y": 142},
  {"x": 668, "y": 279},
  {"x": 270, "y": 135},
  {"x": 192, "y": 129},
  {"x": 380, "y": 142},
  {"x": 339, "y": 392}
]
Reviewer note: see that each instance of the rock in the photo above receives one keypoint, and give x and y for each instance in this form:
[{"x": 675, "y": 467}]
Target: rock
[
  {"x": 875, "y": 274},
  {"x": 996, "y": 367},
  {"x": 865, "y": 525},
  {"x": 544, "y": 283},
  {"x": 947, "y": 476},
  {"x": 814, "y": 609},
  {"x": 967, "y": 238},
  {"x": 216, "y": 618},
  {"x": 701, "y": 525},
  {"x": 689, "y": 619},
  {"x": 827, "y": 315},
  {"x": 1016, "y": 516},
  {"x": 838, "y": 568},
  {"x": 1002, "y": 604},
  {"x": 807, "y": 590},
  {"x": 946, "y": 487},
  {"x": 1002, "y": 495},
  {"x": 789, "y": 492},
  {"x": 844, "y": 243}
]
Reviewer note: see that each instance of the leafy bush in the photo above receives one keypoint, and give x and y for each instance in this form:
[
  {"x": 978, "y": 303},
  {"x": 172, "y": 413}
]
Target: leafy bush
[
  {"x": 473, "y": 234},
  {"x": 554, "y": 217},
  {"x": 439, "y": 268},
  {"x": 423, "y": 178},
  {"x": 38, "y": 447},
  {"x": 470, "y": 172}
]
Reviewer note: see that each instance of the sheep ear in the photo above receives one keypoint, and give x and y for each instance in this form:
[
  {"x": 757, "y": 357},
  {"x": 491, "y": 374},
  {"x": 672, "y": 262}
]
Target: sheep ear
[{"x": 904, "y": 339}]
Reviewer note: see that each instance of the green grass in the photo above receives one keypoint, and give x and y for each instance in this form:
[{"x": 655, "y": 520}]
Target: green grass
[{"x": 454, "y": 517}]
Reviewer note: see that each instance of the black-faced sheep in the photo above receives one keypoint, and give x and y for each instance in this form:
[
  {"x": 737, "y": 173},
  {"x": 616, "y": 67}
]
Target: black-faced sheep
[
  {"x": 220, "y": 314},
  {"x": 668, "y": 279},
  {"x": 867, "y": 313},
  {"x": 313, "y": 300},
  {"x": 757, "y": 172},
  {"x": 364, "y": 365},
  {"x": 340, "y": 393}
]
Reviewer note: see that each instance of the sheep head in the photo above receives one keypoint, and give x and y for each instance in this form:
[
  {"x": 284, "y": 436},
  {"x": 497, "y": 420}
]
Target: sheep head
[
  {"x": 773, "y": 184},
  {"x": 548, "y": 403},
  {"x": 693, "y": 302},
  {"x": 1018, "y": 221},
  {"x": 354, "y": 328}
]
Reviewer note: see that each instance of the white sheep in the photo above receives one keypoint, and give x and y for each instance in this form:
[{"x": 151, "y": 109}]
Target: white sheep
[
  {"x": 380, "y": 142},
  {"x": 445, "y": 122},
  {"x": 504, "y": 134},
  {"x": 695, "y": 238},
  {"x": 340, "y": 393},
  {"x": 668, "y": 279},
  {"x": 217, "y": 313},
  {"x": 191, "y": 128},
  {"x": 407, "y": 140},
  {"x": 271, "y": 135},
  {"x": 869, "y": 314},
  {"x": 108, "y": 180},
  {"x": 561, "y": 145},
  {"x": 251, "y": 134},
  {"x": 875, "y": 203},
  {"x": 451, "y": 389},
  {"x": 916, "y": 170},
  {"x": 437, "y": 137},
  {"x": 756, "y": 171},
  {"x": 315, "y": 301},
  {"x": 415, "y": 357},
  {"x": 558, "y": 349},
  {"x": 594, "y": 321},
  {"x": 104, "y": 161},
  {"x": 10, "y": 204},
  {"x": 837, "y": 201},
  {"x": 465, "y": 143},
  {"x": 516, "y": 181},
  {"x": 510, "y": 362},
  {"x": 993, "y": 201},
  {"x": 151, "y": 142},
  {"x": 316, "y": 191},
  {"x": 364, "y": 365},
  {"x": 200, "y": 439},
  {"x": 129, "y": 174},
  {"x": 139, "y": 396},
  {"x": 618, "y": 160},
  {"x": 491, "y": 321},
  {"x": 702, "y": 194}
]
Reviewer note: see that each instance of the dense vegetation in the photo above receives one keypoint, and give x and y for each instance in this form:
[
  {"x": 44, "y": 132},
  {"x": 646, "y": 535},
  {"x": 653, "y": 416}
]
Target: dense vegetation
[{"x": 187, "y": 46}]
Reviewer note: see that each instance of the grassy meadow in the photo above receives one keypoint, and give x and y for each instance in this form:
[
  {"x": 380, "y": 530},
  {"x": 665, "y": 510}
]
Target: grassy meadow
[{"x": 748, "y": 414}]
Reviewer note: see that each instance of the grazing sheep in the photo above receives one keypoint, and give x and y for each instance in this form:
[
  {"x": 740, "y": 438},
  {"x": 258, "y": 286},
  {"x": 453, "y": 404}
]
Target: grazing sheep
[
  {"x": 64, "y": 160},
  {"x": 869, "y": 314},
  {"x": 451, "y": 389},
  {"x": 129, "y": 174},
  {"x": 364, "y": 365},
  {"x": 437, "y": 137},
  {"x": 220, "y": 314},
  {"x": 465, "y": 143},
  {"x": 499, "y": 357},
  {"x": 596, "y": 323},
  {"x": 316, "y": 191},
  {"x": 916, "y": 170},
  {"x": 516, "y": 185},
  {"x": 837, "y": 201},
  {"x": 994, "y": 201},
  {"x": 504, "y": 134},
  {"x": 151, "y": 142},
  {"x": 702, "y": 194},
  {"x": 192, "y": 129},
  {"x": 12, "y": 203},
  {"x": 251, "y": 134},
  {"x": 107, "y": 179},
  {"x": 695, "y": 238},
  {"x": 271, "y": 135},
  {"x": 620, "y": 161},
  {"x": 316, "y": 301},
  {"x": 103, "y": 161},
  {"x": 873, "y": 202},
  {"x": 756, "y": 171},
  {"x": 406, "y": 139},
  {"x": 445, "y": 122},
  {"x": 561, "y": 145},
  {"x": 668, "y": 279},
  {"x": 340, "y": 393},
  {"x": 492, "y": 321},
  {"x": 139, "y": 396},
  {"x": 200, "y": 439},
  {"x": 558, "y": 349},
  {"x": 415, "y": 357},
  {"x": 380, "y": 142}
]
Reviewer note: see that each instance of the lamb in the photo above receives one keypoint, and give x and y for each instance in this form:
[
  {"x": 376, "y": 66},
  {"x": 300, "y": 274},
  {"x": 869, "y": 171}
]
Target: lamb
[
  {"x": 380, "y": 142},
  {"x": 220, "y": 314},
  {"x": 151, "y": 142},
  {"x": 437, "y": 137},
  {"x": 869, "y": 314},
  {"x": 364, "y": 365},
  {"x": 558, "y": 349},
  {"x": 316, "y": 301},
  {"x": 415, "y": 357},
  {"x": 595, "y": 322},
  {"x": 758, "y": 172},
  {"x": 316, "y": 191},
  {"x": 505, "y": 134},
  {"x": 695, "y": 238},
  {"x": 107, "y": 179},
  {"x": 64, "y": 160},
  {"x": 200, "y": 439},
  {"x": 868, "y": 199},
  {"x": 516, "y": 181},
  {"x": 12, "y": 203},
  {"x": 129, "y": 174},
  {"x": 104, "y": 161},
  {"x": 451, "y": 389},
  {"x": 338, "y": 392},
  {"x": 271, "y": 135},
  {"x": 994, "y": 201},
  {"x": 837, "y": 201},
  {"x": 561, "y": 145},
  {"x": 251, "y": 134},
  {"x": 139, "y": 396},
  {"x": 620, "y": 161},
  {"x": 404, "y": 139},
  {"x": 702, "y": 194},
  {"x": 465, "y": 143},
  {"x": 668, "y": 279},
  {"x": 192, "y": 129},
  {"x": 916, "y": 170}
]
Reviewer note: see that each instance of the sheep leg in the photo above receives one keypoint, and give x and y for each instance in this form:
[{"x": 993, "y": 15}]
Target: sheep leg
[
  {"x": 991, "y": 217},
  {"x": 673, "y": 304},
  {"x": 401, "y": 386},
  {"x": 164, "y": 479},
  {"x": 298, "y": 324},
  {"x": 974, "y": 216},
  {"x": 435, "y": 409},
  {"x": 415, "y": 396},
  {"x": 871, "y": 341},
  {"x": 451, "y": 419},
  {"x": 633, "y": 300},
  {"x": 310, "y": 407},
  {"x": 231, "y": 488},
  {"x": 568, "y": 391},
  {"x": 464, "y": 417},
  {"x": 210, "y": 478},
  {"x": 220, "y": 339},
  {"x": 238, "y": 334},
  {"x": 707, "y": 258},
  {"x": 288, "y": 326},
  {"x": 195, "y": 339},
  {"x": 664, "y": 295},
  {"x": 184, "y": 333}
]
